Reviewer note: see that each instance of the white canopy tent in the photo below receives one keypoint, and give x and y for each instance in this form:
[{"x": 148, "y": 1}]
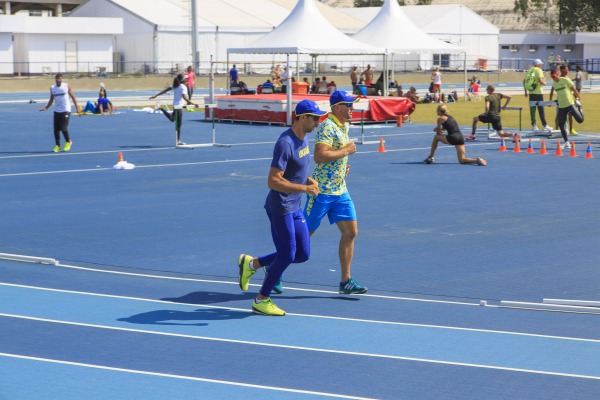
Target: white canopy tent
[
  {"x": 394, "y": 31},
  {"x": 306, "y": 31}
]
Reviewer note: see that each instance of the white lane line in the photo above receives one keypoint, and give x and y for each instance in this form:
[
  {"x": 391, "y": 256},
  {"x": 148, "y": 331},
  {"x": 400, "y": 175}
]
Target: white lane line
[
  {"x": 71, "y": 154},
  {"x": 137, "y": 167},
  {"x": 190, "y": 378},
  {"x": 319, "y": 350},
  {"x": 362, "y": 320},
  {"x": 204, "y": 162}
]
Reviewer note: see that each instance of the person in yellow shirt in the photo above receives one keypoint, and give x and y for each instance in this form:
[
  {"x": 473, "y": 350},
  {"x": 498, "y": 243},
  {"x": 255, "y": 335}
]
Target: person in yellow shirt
[
  {"x": 533, "y": 84},
  {"x": 569, "y": 101},
  {"x": 333, "y": 147}
]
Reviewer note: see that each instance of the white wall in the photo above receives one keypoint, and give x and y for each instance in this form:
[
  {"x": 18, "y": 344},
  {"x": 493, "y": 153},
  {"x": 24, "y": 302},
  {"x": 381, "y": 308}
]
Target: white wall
[
  {"x": 6, "y": 54},
  {"x": 46, "y": 53},
  {"x": 136, "y": 45}
]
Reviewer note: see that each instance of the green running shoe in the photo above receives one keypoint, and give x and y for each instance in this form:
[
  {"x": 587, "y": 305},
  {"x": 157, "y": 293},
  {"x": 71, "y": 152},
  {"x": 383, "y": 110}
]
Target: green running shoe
[
  {"x": 246, "y": 271},
  {"x": 56, "y": 149},
  {"x": 267, "y": 307},
  {"x": 68, "y": 146},
  {"x": 351, "y": 287},
  {"x": 574, "y": 132}
]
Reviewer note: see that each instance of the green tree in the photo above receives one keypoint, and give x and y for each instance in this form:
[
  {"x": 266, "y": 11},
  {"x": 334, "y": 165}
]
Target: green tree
[
  {"x": 368, "y": 3},
  {"x": 379, "y": 3},
  {"x": 572, "y": 14}
]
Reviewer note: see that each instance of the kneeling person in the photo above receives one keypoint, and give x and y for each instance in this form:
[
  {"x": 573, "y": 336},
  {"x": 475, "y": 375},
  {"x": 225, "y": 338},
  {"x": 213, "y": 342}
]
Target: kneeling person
[{"x": 453, "y": 137}]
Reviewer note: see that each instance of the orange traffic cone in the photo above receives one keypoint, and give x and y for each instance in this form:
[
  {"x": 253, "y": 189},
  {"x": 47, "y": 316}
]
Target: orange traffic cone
[
  {"x": 530, "y": 148},
  {"x": 502, "y": 145},
  {"x": 399, "y": 121},
  {"x": 381, "y": 146},
  {"x": 573, "y": 153},
  {"x": 588, "y": 152},
  {"x": 558, "y": 149},
  {"x": 517, "y": 148},
  {"x": 543, "y": 149},
  {"x": 120, "y": 157}
]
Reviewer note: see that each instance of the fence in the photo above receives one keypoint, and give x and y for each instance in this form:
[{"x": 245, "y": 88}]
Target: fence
[{"x": 146, "y": 68}]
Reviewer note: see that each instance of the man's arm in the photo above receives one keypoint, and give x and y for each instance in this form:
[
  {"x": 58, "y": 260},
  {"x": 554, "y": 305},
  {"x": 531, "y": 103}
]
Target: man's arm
[
  {"x": 72, "y": 96},
  {"x": 324, "y": 153},
  {"x": 507, "y": 97},
  {"x": 277, "y": 182},
  {"x": 576, "y": 93},
  {"x": 50, "y": 101}
]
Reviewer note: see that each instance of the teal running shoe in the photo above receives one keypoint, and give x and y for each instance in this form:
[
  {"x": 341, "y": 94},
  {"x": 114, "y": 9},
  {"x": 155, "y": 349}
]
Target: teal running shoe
[
  {"x": 278, "y": 289},
  {"x": 351, "y": 287}
]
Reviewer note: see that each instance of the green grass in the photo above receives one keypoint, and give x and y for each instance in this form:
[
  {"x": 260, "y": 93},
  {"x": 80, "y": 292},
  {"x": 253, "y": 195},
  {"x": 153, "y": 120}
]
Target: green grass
[{"x": 464, "y": 112}]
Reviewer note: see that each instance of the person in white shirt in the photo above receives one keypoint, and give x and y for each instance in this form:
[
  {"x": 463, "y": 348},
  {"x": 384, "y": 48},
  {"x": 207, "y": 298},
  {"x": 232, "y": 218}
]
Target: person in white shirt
[
  {"x": 62, "y": 94},
  {"x": 180, "y": 99}
]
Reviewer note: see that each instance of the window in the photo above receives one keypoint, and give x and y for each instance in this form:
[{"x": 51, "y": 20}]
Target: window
[{"x": 441, "y": 60}]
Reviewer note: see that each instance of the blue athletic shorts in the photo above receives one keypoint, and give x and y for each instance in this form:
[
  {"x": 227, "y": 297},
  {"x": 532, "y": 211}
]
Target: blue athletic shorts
[{"x": 337, "y": 208}]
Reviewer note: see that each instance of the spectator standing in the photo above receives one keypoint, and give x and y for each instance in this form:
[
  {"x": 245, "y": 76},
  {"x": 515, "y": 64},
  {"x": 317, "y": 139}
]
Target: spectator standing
[
  {"x": 62, "y": 93},
  {"x": 233, "y": 76},
  {"x": 436, "y": 78},
  {"x": 367, "y": 76},
  {"x": 287, "y": 72},
  {"x": 354, "y": 79},
  {"x": 189, "y": 83},
  {"x": 578, "y": 78},
  {"x": 551, "y": 62},
  {"x": 533, "y": 84}
]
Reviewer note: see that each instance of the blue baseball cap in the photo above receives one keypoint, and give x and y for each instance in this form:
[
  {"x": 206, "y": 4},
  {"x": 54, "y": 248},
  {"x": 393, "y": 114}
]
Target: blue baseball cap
[
  {"x": 308, "y": 107},
  {"x": 340, "y": 96}
]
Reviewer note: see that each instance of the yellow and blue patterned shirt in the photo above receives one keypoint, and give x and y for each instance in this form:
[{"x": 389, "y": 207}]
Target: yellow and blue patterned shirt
[{"x": 331, "y": 176}]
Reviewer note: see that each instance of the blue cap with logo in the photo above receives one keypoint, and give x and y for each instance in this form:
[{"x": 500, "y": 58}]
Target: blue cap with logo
[
  {"x": 340, "y": 96},
  {"x": 308, "y": 107}
]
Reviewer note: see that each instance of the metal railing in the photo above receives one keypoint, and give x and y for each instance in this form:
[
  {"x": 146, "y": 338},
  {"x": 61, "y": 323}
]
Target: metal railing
[{"x": 147, "y": 68}]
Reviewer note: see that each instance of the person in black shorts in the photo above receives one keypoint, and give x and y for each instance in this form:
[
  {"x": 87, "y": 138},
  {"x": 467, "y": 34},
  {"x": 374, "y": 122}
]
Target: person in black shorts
[
  {"x": 492, "y": 113},
  {"x": 454, "y": 137}
]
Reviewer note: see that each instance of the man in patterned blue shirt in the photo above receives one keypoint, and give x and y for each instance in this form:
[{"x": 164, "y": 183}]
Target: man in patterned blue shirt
[{"x": 332, "y": 148}]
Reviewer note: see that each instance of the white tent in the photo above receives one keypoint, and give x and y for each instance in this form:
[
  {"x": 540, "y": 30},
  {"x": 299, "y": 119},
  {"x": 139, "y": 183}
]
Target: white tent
[
  {"x": 394, "y": 31},
  {"x": 453, "y": 23},
  {"x": 306, "y": 31}
]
